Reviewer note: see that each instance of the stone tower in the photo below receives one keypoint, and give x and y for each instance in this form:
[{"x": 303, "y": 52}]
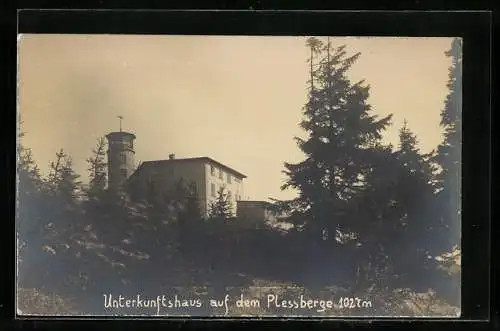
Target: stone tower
[{"x": 121, "y": 158}]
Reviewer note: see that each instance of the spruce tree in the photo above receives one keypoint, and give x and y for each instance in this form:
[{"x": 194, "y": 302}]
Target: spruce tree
[
  {"x": 221, "y": 208},
  {"x": 415, "y": 182},
  {"x": 29, "y": 178},
  {"x": 448, "y": 155},
  {"x": 396, "y": 213},
  {"x": 28, "y": 195},
  {"x": 417, "y": 224},
  {"x": 343, "y": 135},
  {"x": 69, "y": 187},
  {"x": 54, "y": 177},
  {"x": 63, "y": 183},
  {"x": 97, "y": 169}
]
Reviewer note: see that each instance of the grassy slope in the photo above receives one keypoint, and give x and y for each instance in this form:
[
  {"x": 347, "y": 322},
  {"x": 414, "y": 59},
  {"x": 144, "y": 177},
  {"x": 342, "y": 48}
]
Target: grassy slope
[{"x": 69, "y": 270}]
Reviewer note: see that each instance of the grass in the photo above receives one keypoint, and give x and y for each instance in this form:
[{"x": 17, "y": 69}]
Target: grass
[
  {"x": 90, "y": 262},
  {"x": 401, "y": 303},
  {"x": 36, "y": 302}
]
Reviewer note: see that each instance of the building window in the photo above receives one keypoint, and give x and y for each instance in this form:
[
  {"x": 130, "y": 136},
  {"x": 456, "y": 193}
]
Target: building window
[
  {"x": 229, "y": 178},
  {"x": 122, "y": 158},
  {"x": 221, "y": 174},
  {"x": 212, "y": 170},
  {"x": 214, "y": 190},
  {"x": 229, "y": 195},
  {"x": 237, "y": 180},
  {"x": 123, "y": 173}
]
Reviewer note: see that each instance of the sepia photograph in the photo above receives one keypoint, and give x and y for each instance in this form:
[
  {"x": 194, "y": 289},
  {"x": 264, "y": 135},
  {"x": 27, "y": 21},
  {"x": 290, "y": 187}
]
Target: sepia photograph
[{"x": 238, "y": 176}]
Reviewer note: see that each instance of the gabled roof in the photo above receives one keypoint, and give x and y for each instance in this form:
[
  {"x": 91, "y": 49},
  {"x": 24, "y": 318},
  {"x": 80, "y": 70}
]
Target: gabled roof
[{"x": 159, "y": 163}]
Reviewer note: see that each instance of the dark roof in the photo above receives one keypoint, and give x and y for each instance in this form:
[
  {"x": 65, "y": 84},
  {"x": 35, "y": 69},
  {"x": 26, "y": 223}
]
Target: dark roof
[
  {"x": 254, "y": 203},
  {"x": 191, "y": 159},
  {"x": 120, "y": 133}
]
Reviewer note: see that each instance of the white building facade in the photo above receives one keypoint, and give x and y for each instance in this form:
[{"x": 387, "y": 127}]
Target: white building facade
[{"x": 205, "y": 175}]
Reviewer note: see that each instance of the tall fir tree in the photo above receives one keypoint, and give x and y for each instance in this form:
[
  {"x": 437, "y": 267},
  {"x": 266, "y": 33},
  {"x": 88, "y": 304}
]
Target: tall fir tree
[
  {"x": 29, "y": 200},
  {"x": 396, "y": 211},
  {"x": 416, "y": 179},
  {"x": 69, "y": 186},
  {"x": 415, "y": 205},
  {"x": 53, "y": 179},
  {"x": 342, "y": 136},
  {"x": 448, "y": 154},
  {"x": 29, "y": 178},
  {"x": 62, "y": 182},
  {"x": 97, "y": 169},
  {"x": 29, "y": 190}
]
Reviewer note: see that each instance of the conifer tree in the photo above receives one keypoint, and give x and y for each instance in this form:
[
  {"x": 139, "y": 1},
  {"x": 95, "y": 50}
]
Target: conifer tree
[
  {"x": 54, "y": 177},
  {"x": 342, "y": 136},
  {"x": 397, "y": 212},
  {"x": 28, "y": 200},
  {"x": 63, "y": 183},
  {"x": 29, "y": 194},
  {"x": 448, "y": 155},
  {"x": 69, "y": 186},
  {"x": 417, "y": 222},
  {"x": 97, "y": 169},
  {"x": 416, "y": 171},
  {"x": 29, "y": 178},
  {"x": 221, "y": 208}
]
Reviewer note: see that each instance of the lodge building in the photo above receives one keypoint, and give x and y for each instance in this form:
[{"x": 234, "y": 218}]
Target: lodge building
[{"x": 205, "y": 175}]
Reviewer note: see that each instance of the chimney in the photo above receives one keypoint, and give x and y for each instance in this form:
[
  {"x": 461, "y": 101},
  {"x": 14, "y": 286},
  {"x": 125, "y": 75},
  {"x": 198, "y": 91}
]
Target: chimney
[{"x": 171, "y": 156}]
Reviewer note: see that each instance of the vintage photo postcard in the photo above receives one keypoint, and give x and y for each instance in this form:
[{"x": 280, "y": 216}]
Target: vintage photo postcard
[{"x": 238, "y": 176}]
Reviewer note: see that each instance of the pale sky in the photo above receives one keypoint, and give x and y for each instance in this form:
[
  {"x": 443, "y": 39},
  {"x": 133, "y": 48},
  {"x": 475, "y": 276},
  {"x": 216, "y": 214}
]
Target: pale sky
[{"x": 233, "y": 98}]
